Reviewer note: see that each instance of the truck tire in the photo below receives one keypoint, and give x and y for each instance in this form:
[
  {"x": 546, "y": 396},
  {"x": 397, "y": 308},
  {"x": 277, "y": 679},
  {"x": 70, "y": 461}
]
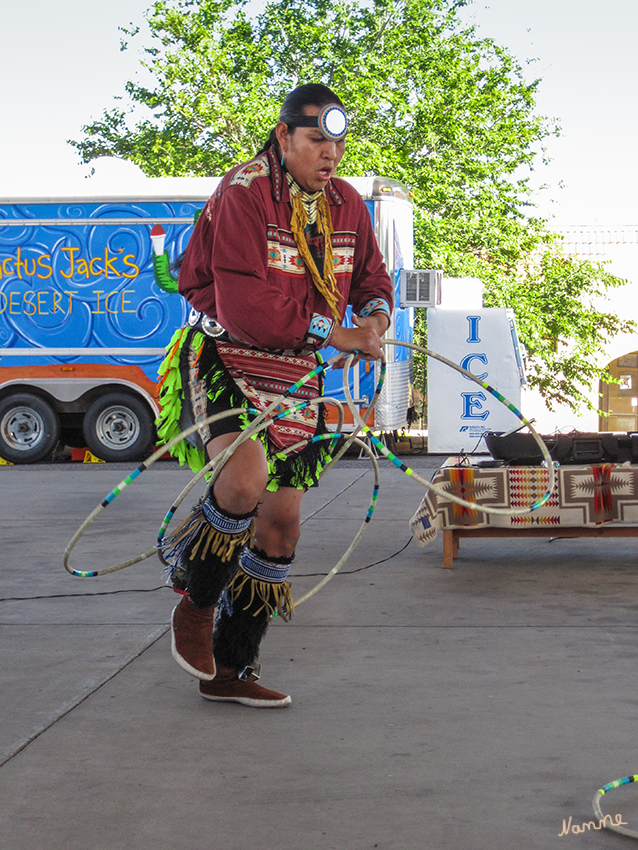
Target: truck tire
[
  {"x": 29, "y": 428},
  {"x": 119, "y": 427}
]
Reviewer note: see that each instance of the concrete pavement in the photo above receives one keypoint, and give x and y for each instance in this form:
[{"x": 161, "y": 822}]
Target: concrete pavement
[{"x": 479, "y": 707}]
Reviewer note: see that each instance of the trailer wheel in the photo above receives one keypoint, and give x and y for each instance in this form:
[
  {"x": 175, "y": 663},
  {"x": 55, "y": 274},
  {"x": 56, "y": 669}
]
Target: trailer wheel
[
  {"x": 119, "y": 427},
  {"x": 29, "y": 428}
]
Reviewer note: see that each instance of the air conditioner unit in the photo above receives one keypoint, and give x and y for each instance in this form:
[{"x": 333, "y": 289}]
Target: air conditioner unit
[{"x": 420, "y": 287}]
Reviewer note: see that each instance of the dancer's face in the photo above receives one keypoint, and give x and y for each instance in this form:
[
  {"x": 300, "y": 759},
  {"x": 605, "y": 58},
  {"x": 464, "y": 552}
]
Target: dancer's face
[{"x": 309, "y": 157}]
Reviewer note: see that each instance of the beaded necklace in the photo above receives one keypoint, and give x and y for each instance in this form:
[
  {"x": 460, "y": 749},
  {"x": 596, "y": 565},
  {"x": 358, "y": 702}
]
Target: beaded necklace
[{"x": 310, "y": 212}]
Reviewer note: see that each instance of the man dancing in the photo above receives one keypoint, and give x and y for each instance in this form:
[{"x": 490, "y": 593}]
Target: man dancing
[{"x": 279, "y": 251}]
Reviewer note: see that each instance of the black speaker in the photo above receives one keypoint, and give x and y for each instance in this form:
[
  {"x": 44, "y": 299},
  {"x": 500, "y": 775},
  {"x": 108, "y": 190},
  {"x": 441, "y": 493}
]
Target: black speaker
[{"x": 521, "y": 449}]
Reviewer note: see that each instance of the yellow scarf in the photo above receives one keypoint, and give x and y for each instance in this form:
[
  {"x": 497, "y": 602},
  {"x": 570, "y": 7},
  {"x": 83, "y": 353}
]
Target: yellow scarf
[{"x": 301, "y": 202}]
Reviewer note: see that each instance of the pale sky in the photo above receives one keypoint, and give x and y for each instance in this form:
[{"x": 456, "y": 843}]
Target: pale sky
[{"x": 61, "y": 65}]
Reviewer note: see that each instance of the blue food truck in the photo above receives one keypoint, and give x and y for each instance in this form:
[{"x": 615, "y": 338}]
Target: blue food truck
[{"x": 88, "y": 303}]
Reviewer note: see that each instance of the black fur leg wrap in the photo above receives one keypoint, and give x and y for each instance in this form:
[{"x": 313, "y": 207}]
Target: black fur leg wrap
[
  {"x": 237, "y": 637},
  {"x": 245, "y": 611},
  {"x": 205, "y": 580}
]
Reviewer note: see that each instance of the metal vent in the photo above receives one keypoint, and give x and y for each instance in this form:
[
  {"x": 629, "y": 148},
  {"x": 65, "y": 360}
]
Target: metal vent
[{"x": 420, "y": 287}]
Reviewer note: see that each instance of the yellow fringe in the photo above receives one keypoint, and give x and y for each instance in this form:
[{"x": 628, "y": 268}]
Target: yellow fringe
[
  {"x": 328, "y": 285},
  {"x": 275, "y": 597},
  {"x": 223, "y": 545}
]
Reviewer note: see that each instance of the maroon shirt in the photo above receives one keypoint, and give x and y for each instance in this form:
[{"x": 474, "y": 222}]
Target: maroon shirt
[{"x": 242, "y": 266}]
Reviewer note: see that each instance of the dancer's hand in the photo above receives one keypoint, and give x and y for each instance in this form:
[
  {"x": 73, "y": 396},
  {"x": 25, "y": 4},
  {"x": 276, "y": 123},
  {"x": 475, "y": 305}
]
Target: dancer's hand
[{"x": 364, "y": 338}]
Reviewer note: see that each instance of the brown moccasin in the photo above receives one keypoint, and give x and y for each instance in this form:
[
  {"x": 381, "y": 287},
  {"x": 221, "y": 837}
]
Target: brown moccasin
[
  {"x": 227, "y": 686},
  {"x": 192, "y": 639}
]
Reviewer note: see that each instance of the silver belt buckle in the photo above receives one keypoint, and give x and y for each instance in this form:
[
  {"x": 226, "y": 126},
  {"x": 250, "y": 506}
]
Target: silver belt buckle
[
  {"x": 193, "y": 317},
  {"x": 211, "y": 327}
]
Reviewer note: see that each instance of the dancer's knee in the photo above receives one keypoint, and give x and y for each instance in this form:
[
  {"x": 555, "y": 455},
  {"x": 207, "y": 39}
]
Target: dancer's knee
[
  {"x": 242, "y": 480},
  {"x": 238, "y": 495},
  {"x": 279, "y": 536}
]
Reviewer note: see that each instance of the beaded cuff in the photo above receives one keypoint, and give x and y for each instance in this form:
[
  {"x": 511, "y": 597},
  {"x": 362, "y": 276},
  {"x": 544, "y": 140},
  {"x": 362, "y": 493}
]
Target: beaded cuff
[
  {"x": 262, "y": 569},
  {"x": 376, "y": 305},
  {"x": 222, "y": 522},
  {"x": 319, "y": 330}
]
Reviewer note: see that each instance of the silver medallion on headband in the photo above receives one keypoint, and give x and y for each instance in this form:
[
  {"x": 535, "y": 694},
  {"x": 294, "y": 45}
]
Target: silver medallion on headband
[{"x": 331, "y": 122}]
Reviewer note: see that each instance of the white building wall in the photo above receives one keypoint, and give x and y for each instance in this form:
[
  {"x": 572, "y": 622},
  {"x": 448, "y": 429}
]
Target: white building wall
[{"x": 617, "y": 247}]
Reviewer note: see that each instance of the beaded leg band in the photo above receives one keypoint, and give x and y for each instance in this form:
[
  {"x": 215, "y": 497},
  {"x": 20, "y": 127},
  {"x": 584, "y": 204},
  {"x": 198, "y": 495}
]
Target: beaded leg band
[
  {"x": 255, "y": 594},
  {"x": 203, "y": 553}
]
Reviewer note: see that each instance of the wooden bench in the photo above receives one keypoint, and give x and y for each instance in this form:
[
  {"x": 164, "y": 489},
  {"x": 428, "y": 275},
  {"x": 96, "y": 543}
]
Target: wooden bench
[{"x": 451, "y": 536}]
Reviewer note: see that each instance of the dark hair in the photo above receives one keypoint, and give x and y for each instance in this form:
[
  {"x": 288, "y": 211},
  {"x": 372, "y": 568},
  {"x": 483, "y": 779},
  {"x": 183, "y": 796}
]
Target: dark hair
[{"x": 311, "y": 94}]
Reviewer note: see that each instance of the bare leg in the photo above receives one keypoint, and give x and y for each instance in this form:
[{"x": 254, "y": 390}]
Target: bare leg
[
  {"x": 241, "y": 485},
  {"x": 260, "y": 586},
  {"x": 243, "y": 478},
  {"x": 205, "y": 552},
  {"x": 278, "y": 522}
]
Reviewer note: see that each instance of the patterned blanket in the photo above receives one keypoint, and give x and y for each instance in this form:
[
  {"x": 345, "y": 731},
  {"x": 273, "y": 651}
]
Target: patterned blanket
[{"x": 582, "y": 496}]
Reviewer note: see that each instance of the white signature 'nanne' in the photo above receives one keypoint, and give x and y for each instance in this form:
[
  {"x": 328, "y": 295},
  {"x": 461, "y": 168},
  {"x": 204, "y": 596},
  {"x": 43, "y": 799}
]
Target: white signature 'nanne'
[{"x": 585, "y": 827}]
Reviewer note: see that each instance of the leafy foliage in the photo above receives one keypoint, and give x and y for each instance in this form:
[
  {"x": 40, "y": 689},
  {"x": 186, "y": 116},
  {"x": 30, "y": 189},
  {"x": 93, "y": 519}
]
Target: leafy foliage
[
  {"x": 558, "y": 302},
  {"x": 429, "y": 103}
]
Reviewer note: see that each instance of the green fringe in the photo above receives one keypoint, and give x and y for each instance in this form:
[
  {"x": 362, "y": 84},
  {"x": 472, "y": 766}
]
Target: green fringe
[
  {"x": 221, "y": 387},
  {"x": 171, "y": 398}
]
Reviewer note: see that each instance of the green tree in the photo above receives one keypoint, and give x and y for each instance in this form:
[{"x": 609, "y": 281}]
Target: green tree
[
  {"x": 430, "y": 104},
  {"x": 559, "y": 316}
]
